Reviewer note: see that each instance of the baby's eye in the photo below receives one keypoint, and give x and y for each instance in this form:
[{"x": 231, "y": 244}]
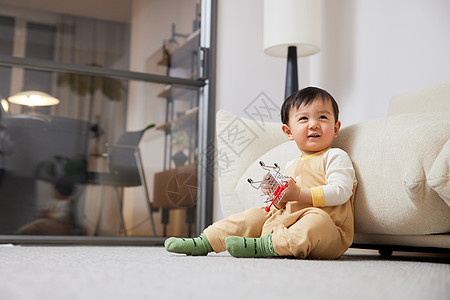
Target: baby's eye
[
  {"x": 303, "y": 119},
  {"x": 324, "y": 117}
]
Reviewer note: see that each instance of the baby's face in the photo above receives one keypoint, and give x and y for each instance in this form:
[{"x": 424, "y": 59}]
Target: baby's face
[{"x": 312, "y": 126}]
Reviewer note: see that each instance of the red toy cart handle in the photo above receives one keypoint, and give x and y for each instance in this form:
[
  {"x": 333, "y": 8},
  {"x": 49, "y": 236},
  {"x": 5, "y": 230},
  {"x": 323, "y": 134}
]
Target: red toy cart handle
[{"x": 277, "y": 194}]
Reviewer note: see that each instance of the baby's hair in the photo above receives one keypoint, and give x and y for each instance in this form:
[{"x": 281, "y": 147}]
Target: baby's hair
[
  {"x": 306, "y": 96},
  {"x": 64, "y": 186}
]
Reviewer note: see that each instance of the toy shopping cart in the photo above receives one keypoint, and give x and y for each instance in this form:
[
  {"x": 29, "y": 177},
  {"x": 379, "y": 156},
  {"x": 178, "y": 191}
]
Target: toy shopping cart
[{"x": 272, "y": 185}]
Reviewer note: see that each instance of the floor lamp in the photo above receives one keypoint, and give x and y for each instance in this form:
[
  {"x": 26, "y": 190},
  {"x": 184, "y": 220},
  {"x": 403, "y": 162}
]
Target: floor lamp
[
  {"x": 33, "y": 98},
  {"x": 291, "y": 29}
]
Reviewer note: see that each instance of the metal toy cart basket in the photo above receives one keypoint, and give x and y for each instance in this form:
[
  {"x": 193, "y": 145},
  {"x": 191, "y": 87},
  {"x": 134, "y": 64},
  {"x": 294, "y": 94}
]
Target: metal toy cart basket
[{"x": 272, "y": 185}]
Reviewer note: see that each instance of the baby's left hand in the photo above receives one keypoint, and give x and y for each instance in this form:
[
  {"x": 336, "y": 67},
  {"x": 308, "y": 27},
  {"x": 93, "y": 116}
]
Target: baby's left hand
[{"x": 292, "y": 192}]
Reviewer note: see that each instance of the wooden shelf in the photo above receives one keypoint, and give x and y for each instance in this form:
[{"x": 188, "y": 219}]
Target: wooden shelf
[
  {"x": 179, "y": 53},
  {"x": 165, "y": 57},
  {"x": 190, "y": 115},
  {"x": 164, "y": 61},
  {"x": 152, "y": 65},
  {"x": 177, "y": 92}
]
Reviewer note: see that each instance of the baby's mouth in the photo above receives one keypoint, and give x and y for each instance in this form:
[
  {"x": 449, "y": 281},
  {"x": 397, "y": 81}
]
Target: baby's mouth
[{"x": 314, "y": 135}]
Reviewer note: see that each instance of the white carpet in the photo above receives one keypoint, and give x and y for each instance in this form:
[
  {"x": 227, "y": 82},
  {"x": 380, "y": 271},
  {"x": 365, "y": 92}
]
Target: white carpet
[{"x": 88, "y": 272}]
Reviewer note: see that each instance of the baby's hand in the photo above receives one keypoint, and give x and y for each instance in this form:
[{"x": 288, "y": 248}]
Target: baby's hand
[{"x": 292, "y": 192}]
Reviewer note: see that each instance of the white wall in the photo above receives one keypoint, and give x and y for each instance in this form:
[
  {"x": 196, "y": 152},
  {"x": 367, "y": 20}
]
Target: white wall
[
  {"x": 375, "y": 49},
  {"x": 371, "y": 50}
]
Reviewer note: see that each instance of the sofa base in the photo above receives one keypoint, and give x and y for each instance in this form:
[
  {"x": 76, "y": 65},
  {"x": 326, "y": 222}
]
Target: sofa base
[
  {"x": 385, "y": 244},
  {"x": 387, "y": 250}
]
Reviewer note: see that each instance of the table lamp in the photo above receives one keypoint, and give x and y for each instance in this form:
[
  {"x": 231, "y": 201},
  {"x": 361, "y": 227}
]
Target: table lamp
[
  {"x": 33, "y": 98},
  {"x": 291, "y": 28}
]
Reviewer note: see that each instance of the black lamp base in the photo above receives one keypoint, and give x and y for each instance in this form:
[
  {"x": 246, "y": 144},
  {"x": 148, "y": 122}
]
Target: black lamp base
[{"x": 291, "y": 72}]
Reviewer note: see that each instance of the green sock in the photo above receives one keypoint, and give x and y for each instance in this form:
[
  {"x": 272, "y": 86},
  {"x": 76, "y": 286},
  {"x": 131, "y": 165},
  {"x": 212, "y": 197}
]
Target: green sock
[
  {"x": 190, "y": 246},
  {"x": 250, "y": 247}
]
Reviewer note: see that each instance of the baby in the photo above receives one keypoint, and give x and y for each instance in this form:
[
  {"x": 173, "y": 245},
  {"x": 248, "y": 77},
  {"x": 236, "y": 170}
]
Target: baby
[{"x": 315, "y": 217}]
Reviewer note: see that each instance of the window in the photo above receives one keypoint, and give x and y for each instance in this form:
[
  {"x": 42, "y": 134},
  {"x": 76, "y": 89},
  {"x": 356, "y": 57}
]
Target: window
[{"x": 6, "y": 48}]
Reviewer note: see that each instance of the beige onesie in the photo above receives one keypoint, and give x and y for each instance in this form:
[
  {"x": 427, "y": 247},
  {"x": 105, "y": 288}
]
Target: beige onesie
[{"x": 323, "y": 232}]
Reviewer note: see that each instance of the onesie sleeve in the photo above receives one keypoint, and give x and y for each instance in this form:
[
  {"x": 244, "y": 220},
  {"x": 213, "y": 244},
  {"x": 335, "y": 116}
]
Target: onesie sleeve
[
  {"x": 288, "y": 164},
  {"x": 339, "y": 178},
  {"x": 61, "y": 211}
]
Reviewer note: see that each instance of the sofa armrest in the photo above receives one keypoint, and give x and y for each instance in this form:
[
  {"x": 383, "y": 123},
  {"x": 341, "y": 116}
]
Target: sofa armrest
[{"x": 403, "y": 188}]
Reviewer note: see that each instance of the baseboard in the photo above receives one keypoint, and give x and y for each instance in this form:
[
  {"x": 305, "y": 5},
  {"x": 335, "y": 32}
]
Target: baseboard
[{"x": 80, "y": 240}]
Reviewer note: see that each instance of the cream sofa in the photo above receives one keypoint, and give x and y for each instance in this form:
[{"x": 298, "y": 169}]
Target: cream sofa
[{"x": 402, "y": 164}]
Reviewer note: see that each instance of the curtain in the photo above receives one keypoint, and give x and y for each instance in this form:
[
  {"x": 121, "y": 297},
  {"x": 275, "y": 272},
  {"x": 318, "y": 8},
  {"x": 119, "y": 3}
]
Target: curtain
[{"x": 98, "y": 100}]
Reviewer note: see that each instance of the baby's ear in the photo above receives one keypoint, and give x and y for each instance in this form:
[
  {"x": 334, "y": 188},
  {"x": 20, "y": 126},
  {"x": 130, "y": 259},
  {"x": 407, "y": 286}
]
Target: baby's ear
[
  {"x": 337, "y": 126},
  {"x": 287, "y": 131}
]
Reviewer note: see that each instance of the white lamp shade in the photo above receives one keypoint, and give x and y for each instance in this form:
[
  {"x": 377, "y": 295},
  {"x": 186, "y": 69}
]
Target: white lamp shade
[
  {"x": 291, "y": 23},
  {"x": 33, "y": 98}
]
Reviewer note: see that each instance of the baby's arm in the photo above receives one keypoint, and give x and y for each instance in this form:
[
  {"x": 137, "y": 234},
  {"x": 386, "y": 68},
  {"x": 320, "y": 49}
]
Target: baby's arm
[
  {"x": 339, "y": 177},
  {"x": 296, "y": 193}
]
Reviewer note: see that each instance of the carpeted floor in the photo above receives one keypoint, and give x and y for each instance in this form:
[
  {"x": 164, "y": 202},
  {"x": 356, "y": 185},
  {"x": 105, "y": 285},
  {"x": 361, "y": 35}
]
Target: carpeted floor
[{"x": 93, "y": 272}]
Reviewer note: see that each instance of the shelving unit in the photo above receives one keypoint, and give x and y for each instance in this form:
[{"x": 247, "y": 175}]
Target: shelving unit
[
  {"x": 189, "y": 116},
  {"x": 176, "y": 184},
  {"x": 177, "y": 55}
]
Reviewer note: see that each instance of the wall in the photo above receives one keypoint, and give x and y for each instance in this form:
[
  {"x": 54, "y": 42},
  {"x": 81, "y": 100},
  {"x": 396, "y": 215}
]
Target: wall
[
  {"x": 371, "y": 50},
  {"x": 375, "y": 49}
]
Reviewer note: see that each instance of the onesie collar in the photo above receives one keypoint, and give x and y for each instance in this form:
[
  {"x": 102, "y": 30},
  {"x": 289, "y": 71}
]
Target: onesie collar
[{"x": 313, "y": 155}]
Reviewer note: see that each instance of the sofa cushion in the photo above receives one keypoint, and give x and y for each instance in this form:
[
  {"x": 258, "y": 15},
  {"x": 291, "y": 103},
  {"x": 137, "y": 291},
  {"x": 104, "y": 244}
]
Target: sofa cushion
[
  {"x": 438, "y": 178},
  {"x": 401, "y": 163},
  {"x": 431, "y": 99},
  {"x": 402, "y": 166},
  {"x": 240, "y": 141}
]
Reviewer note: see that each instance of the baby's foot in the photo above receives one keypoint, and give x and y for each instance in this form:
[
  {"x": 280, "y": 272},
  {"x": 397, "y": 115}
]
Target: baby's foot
[
  {"x": 189, "y": 246},
  {"x": 250, "y": 247}
]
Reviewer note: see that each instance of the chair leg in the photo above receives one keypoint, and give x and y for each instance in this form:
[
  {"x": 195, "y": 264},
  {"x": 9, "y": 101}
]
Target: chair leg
[
  {"x": 165, "y": 219},
  {"x": 119, "y": 208},
  {"x": 150, "y": 214},
  {"x": 190, "y": 218},
  {"x": 99, "y": 219},
  {"x": 147, "y": 195}
]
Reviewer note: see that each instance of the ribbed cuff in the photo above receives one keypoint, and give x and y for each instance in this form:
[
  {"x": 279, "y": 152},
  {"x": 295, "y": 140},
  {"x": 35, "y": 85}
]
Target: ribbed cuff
[{"x": 317, "y": 196}]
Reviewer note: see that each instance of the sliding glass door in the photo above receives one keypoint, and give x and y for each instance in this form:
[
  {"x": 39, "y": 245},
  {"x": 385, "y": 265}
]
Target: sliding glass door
[{"x": 106, "y": 122}]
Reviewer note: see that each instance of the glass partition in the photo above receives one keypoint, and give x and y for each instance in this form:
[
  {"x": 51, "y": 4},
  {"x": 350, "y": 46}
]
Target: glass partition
[
  {"x": 115, "y": 153},
  {"x": 135, "y": 179}
]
